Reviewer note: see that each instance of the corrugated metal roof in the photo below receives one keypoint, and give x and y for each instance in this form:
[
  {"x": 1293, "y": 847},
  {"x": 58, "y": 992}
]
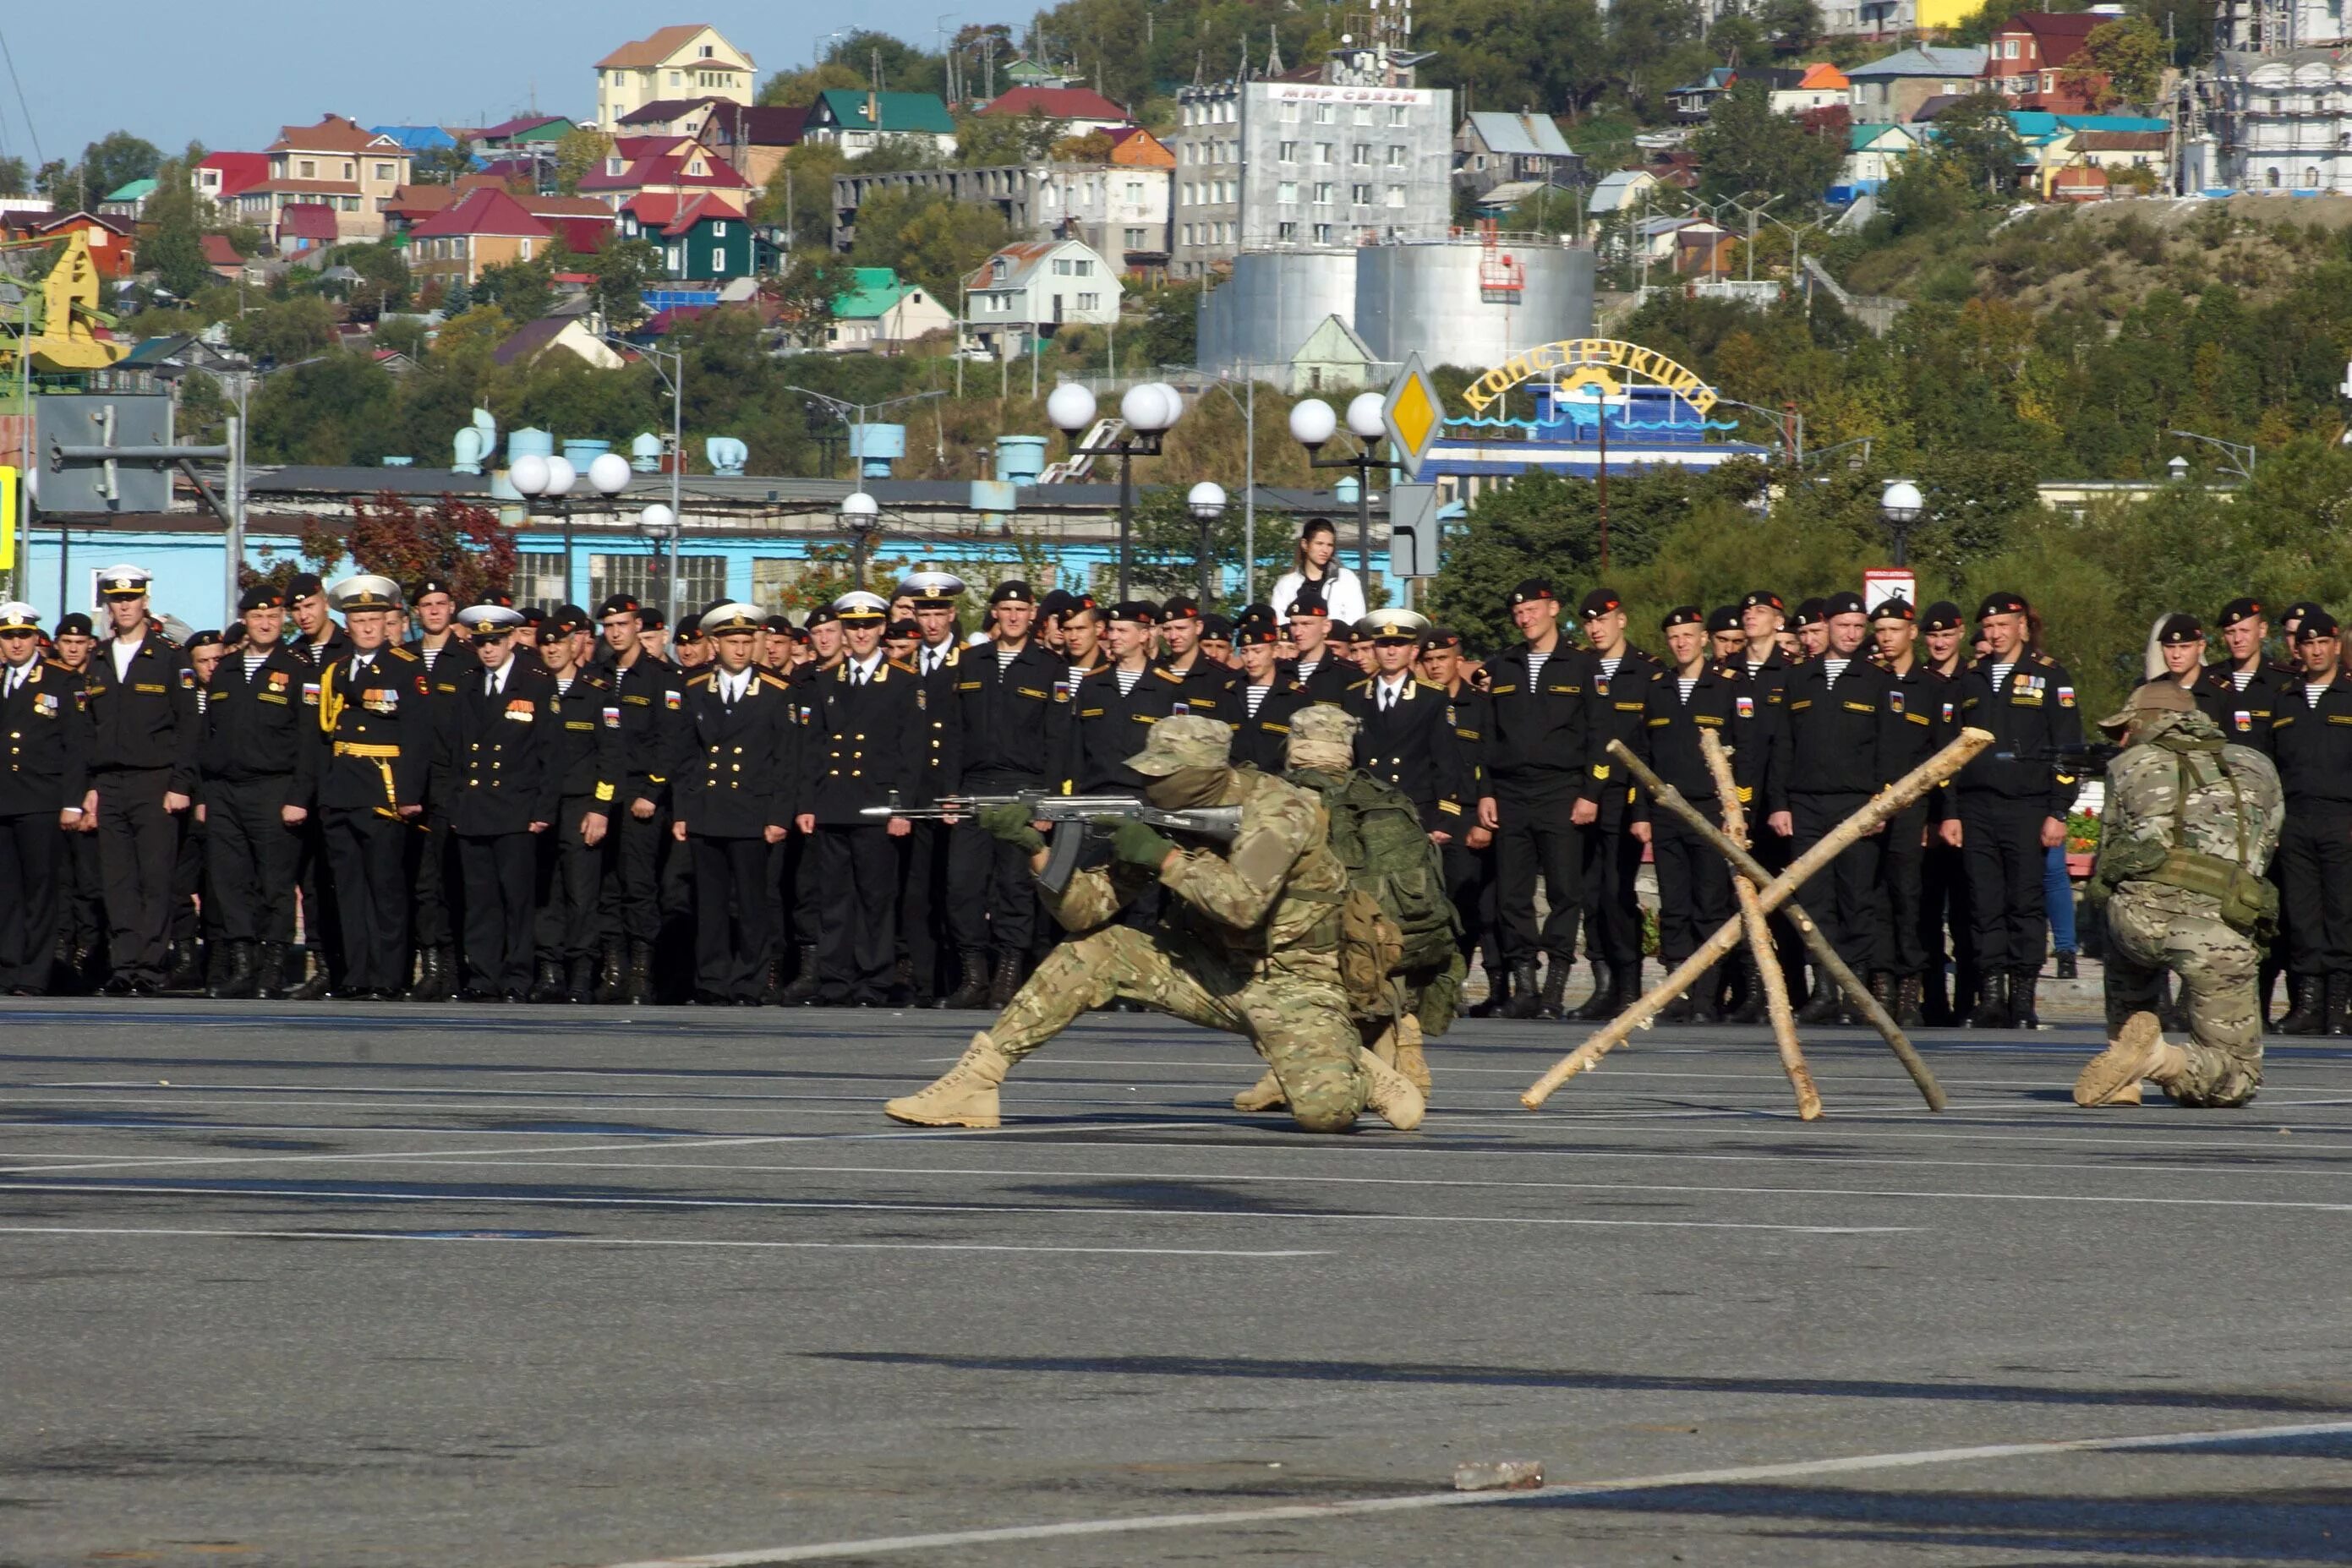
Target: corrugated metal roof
[
  {"x": 1527, "y": 135},
  {"x": 1923, "y": 60}
]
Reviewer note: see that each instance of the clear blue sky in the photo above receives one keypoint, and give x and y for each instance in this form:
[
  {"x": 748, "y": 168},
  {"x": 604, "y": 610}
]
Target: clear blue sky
[{"x": 228, "y": 73}]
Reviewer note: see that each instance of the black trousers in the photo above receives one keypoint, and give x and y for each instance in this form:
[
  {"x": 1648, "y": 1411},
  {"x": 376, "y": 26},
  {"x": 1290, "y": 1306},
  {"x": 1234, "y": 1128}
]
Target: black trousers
[
  {"x": 249, "y": 855},
  {"x": 439, "y": 875},
  {"x": 367, "y": 861},
  {"x": 2315, "y": 866},
  {"x": 1613, "y": 860},
  {"x": 923, "y": 901},
  {"x": 1842, "y": 897},
  {"x": 1470, "y": 884},
  {"x": 991, "y": 897},
  {"x": 500, "y": 872},
  {"x": 1902, "y": 872},
  {"x": 734, "y": 915},
  {"x": 2000, "y": 843},
  {"x": 83, "y": 917},
  {"x": 859, "y": 867},
  {"x": 1694, "y": 885},
  {"x": 31, "y": 848},
  {"x": 570, "y": 874},
  {"x": 1536, "y": 838},
  {"x": 137, "y": 844},
  {"x": 632, "y": 895},
  {"x": 322, "y": 919},
  {"x": 1943, "y": 908},
  {"x": 190, "y": 913}
]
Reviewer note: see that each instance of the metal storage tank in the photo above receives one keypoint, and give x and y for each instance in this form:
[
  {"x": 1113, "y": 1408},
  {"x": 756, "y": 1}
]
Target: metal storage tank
[
  {"x": 1456, "y": 302},
  {"x": 1263, "y": 314}
]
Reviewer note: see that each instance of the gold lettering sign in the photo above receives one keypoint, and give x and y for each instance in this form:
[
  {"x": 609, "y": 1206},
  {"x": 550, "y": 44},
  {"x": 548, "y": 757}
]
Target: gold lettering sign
[{"x": 1630, "y": 357}]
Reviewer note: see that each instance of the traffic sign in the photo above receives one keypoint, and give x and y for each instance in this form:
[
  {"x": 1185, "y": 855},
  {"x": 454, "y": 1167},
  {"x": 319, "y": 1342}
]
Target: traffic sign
[
  {"x": 1413, "y": 531},
  {"x": 1414, "y": 414},
  {"x": 1881, "y": 583}
]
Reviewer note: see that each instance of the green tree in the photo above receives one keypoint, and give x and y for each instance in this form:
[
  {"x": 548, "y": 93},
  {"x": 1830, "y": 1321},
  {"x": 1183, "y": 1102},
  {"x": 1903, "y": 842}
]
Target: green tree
[
  {"x": 15, "y": 177},
  {"x": 115, "y": 160},
  {"x": 1746, "y": 145},
  {"x": 523, "y": 291},
  {"x": 334, "y": 408},
  {"x": 1791, "y": 25},
  {"x": 927, "y": 238},
  {"x": 624, "y": 270},
  {"x": 802, "y": 86},
  {"x": 1975, "y": 137},
  {"x": 444, "y": 165},
  {"x": 579, "y": 152},
  {"x": 798, "y": 198},
  {"x": 984, "y": 139},
  {"x": 804, "y": 292},
  {"x": 285, "y": 331},
  {"x": 173, "y": 246},
  {"x": 1170, "y": 321},
  {"x": 2132, "y": 54}
]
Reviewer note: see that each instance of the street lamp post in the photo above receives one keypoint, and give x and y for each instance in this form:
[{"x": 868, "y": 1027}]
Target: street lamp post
[
  {"x": 1148, "y": 410},
  {"x": 673, "y": 378},
  {"x": 861, "y": 520},
  {"x": 551, "y": 479},
  {"x": 1313, "y": 423},
  {"x": 1901, "y": 504},
  {"x": 2240, "y": 454},
  {"x": 658, "y": 523},
  {"x": 1247, "y": 404},
  {"x": 1207, "y": 501}
]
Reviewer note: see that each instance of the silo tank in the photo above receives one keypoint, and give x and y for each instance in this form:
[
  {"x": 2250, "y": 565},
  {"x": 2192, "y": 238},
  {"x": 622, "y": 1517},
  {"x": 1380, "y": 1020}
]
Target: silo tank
[
  {"x": 1264, "y": 313},
  {"x": 1452, "y": 301}
]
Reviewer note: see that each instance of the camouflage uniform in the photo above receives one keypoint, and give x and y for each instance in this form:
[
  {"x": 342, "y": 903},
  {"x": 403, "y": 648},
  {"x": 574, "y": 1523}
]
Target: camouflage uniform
[
  {"x": 2153, "y": 927},
  {"x": 1246, "y": 942}
]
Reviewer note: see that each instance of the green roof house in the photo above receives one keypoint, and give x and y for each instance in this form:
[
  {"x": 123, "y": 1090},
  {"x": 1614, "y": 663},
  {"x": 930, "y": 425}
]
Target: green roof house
[
  {"x": 858, "y": 122},
  {"x": 880, "y": 313}
]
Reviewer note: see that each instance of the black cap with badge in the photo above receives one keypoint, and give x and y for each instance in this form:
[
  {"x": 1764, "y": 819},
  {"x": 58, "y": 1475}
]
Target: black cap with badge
[{"x": 1682, "y": 615}]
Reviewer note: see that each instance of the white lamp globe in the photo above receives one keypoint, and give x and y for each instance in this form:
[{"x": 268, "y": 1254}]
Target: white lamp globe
[
  {"x": 1901, "y": 501},
  {"x": 609, "y": 472},
  {"x": 1312, "y": 423},
  {"x": 1071, "y": 407},
  {"x": 560, "y": 475},
  {"x": 658, "y": 521},
  {"x": 1207, "y": 499},
  {"x": 528, "y": 475},
  {"x": 1146, "y": 406},
  {"x": 858, "y": 509},
  {"x": 1368, "y": 415}
]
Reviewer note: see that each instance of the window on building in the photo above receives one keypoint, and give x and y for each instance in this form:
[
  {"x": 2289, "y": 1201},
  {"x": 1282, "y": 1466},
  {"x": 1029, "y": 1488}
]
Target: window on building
[
  {"x": 1322, "y": 233},
  {"x": 1288, "y": 234},
  {"x": 1363, "y": 114},
  {"x": 525, "y": 251},
  {"x": 1325, "y": 152},
  {"x": 1131, "y": 239},
  {"x": 383, "y": 171},
  {"x": 718, "y": 229},
  {"x": 718, "y": 260},
  {"x": 1361, "y": 195},
  {"x": 539, "y": 580},
  {"x": 2271, "y": 178},
  {"x": 1361, "y": 153},
  {"x": 1288, "y": 113},
  {"x": 1286, "y": 192},
  {"x": 700, "y": 578},
  {"x": 311, "y": 165},
  {"x": 674, "y": 78},
  {"x": 1396, "y": 195},
  {"x": 1089, "y": 302},
  {"x": 1325, "y": 191},
  {"x": 677, "y": 258},
  {"x": 1225, "y": 234},
  {"x": 1287, "y": 153},
  {"x": 351, "y": 170},
  {"x": 1396, "y": 157},
  {"x": 1322, "y": 114},
  {"x": 2311, "y": 178},
  {"x": 1397, "y": 113}
]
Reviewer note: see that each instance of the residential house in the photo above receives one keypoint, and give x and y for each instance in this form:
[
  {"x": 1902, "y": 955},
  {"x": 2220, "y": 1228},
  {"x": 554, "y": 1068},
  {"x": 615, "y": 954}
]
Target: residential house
[
  {"x": 336, "y": 164},
  {"x": 1872, "y": 153},
  {"x": 2029, "y": 60},
  {"x": 2110, "y": 151},
  {"x": 662, "y": 165},
  {"x": 306, "y": 230},
  {"x": 1818, "y": 86},
  {"x": 524, "y": 130},
  {"x": 220, "y": 254},
  {"x": 1703, "y": 249},
  {"x": 129, "y": 202},
  {"x": 667, "y": 117},
  {"x": 692, "y": 60},
  {"x": 1694, "y": 102},
  {"x": 419, "y": 140},
  {"x": 704, "y": 236},
  {"x": 1074, "y": 111},
  {"x": 223, "y": 177},
  {"x": 881, "y": 312},
  {"x": 858, "y": 122},
  {"x": 1892, "y": 89},
  {"x": 1493, "y": 149},
  {"x": 557, "y": 334},
  {"x": 754, "y": 137},
  {"x": 1333, "y": 358},
  {"x": 488, "y": 228},
  {"x": 1022, "y": 71},
  {"x": 1619, "y": 197},
  {"x": 113, "y": 242},
  {"x": 2052, "y": 143},
  {"x": 1120, "y": 208},
  {"x": 1028, "y": 289}
]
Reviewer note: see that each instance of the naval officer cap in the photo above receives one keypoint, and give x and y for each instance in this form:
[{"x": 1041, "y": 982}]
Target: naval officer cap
[
  {"x": 124, "y": 581},
  {"x": 931, "y": 590},
  {"x": 490, "y": 620},
  {"x": 860, "y": 608},
  {"x": 1392, "y": 627},
  {"x": 731, "y": 618},
  {"x": 16, "y": 616},
  {"x": 364, "y": 592}
]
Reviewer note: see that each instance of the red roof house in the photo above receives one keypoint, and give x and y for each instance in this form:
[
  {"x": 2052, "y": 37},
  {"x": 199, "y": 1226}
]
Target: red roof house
[{"x": 1081, "y": 109}]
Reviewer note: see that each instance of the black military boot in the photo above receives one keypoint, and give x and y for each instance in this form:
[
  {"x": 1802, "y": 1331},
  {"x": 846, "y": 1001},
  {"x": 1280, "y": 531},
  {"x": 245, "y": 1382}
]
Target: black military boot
[
  {"x": 579, "y": 981},
  {"x": 1597, "y": 1008},
  {"x": 971, "y": 985},
  {"x": 2021, "y": 1013},
  {"x": 427, "y": 986},
  {"x": 1929, "y": 992},
  {"x": 187, "y": 971},
  {"x": 2067, "y": 967},
  {"x": 639, "y": 989},
  {"x": 242, "y": 980},
  {"x": 1499, "y": 994},
  {"x": 1554, "y": 1000},
  {"x": 2339, "y": 1004},
  {"x": 548, "y": 984},
  {"x": 1707, "y": 999},
  {"x": 1882, "y": 992},
  {"x": 1749, "y": 1008},
  {"x": 1908, "y": 1014},
  {"x": 803, "y": 991},
  {"x": 2309, "y": 1015},
  {"x": 1006, "y": 982},
  {"x": 1992, "y": 1002},
  {"x": 1625, "y": 987},
  {"x": 1824, "y": 1003},
  {"x": 614, "y": 965},
  {"x": 317, "y": 987},
  {"x": 1526, "y": 999},
  {"x": 269, "y": 972}
]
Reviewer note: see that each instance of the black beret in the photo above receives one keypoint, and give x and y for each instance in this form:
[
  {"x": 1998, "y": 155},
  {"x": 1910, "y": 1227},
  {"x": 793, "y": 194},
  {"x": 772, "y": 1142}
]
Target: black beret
[
  {"x": 1142, "y": 611},
  {"x": 1180, "y": 609},
  {"x": 260, "y": 596},
  {"x": 1810, "y": 613},
  {"x": 1533, "y": 589},
  {"x": 1847, "y": 602},
  {"x": 902, "y": 628},
  {"x": 2319, "y": 624},
  {"x": 1012, "y": 591},
  {"x": 424, "y": 585},
  {"x": 203, "y": 640},
  {"x": 1944, "y": 616},
  {"x": 1724, "y": 618},
  {"x": 1257, "y": 633},
  {"x": 776, "y": 623},
  {"x": 1682, "y": 615},
  {"x": 2003, "y": 603},
  {"x": 1894, "y": 609},
  {"x": 2238, "y": 610},
  {"x": 689, "y": 626},
  {"x": 824, "y": 615},
  {"x": 75, "y": 624},
  {"x": 1216, "y": 628},
  {"x": 553, "y": 631},
  {"x": 1441, "y": 637},
  {"x": 618, "y": 604},
  {"x": 652, "y": 619},
  {"x": 2301, "y": 608},
  {"x": 2179, "y": 629},
  {"x": 1763, "y": 598},
  {"x": 302, "y": 585},
  {"x": 1600, "y": 602}
]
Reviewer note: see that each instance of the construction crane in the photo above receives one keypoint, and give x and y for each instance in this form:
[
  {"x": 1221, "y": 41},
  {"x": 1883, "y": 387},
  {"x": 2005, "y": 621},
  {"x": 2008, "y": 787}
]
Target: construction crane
[{"x": 59, "y": 326}]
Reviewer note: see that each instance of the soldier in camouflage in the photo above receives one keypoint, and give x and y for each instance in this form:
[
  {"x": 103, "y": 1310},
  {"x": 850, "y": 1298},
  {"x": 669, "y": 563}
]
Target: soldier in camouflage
[
  {"x": 1246, "y": 942},
  {"x": 2191, "y": 824}
]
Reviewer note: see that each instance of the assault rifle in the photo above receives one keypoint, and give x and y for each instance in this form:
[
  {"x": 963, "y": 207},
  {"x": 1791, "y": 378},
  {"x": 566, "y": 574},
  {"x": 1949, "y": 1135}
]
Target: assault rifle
[
  {"x": 2087, "y": 758},
  {"x": 1073, "y": 820}
]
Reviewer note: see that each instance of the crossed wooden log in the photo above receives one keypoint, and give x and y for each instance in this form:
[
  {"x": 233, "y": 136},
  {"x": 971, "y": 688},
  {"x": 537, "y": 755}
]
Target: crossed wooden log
[{"x": 1760, "y": 894}]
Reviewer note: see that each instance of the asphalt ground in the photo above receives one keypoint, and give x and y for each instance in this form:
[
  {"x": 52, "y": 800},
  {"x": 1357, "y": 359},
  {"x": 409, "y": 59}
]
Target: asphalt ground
[{"x": 332, "y": 1285}]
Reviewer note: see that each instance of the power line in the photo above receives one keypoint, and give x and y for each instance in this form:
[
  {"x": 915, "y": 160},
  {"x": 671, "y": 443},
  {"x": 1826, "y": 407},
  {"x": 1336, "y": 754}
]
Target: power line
[{"x": 23, "y": 108}]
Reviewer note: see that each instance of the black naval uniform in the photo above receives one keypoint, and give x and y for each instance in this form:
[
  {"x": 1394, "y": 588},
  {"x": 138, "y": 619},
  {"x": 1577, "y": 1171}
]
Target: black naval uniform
[
  {"x": 1203, "y": 687},
  {"x": 648, "y": 703},
  {"x": 142, "y": 747},
  {"x": 2005, "y": 794},
  {"x": 1924, "y": 711},
  {"x": 865, "y": 745},
  {"x": 923, "y": 901},
  {"x": 377, "y": 718},
  {"x": 1612, "y": 856},
  {"x": 1470, "y": 874},
  {"x": 260, "y": 754},
  {"x": 1405, "y": 736},
  {"x": 2244, "y": 711},
  {"x": 496, "y": 733},
  {"x": 1262, "y": 734},
  {"x": 44, "y": 713},
  {"x": 2312, "y": 743},
  {"x": 582, "y": 765},
  {"x": 322, "y": 922},
  {"x": 1111, "y": 726},
  {"x": 734, "y": 780},
  {"x": 1840, "y": 736},
  {"x": 1012, "y": 729},
  {"x": 1542, "y": 726},
  {"x": 1327, "y": 682},
  {"x": 1693, "y": 883},
  {"x": 433, "y": 848}
]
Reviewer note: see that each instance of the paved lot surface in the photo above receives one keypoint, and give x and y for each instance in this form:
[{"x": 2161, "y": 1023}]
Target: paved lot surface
[{"x": 528, "y": 1287}]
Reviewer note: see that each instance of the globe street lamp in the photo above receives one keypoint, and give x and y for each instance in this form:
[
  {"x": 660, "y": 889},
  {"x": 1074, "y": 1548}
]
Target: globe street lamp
[
  {"x": 658, "y": 523},
  {"x": 861, "y": 520},
  {"x": 1313, "y": 422},
  {"x": 1148, "y": 410},
  {"x": 1902, "y": 505},
  {"x": 1207, "y": 501}
]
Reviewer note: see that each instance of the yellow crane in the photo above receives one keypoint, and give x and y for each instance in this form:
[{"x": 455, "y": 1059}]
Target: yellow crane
[{"x": 58, "y": 324}]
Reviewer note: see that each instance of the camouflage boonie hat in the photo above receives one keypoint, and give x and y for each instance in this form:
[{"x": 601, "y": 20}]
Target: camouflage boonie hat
[
  {"x": 1183, "y": 741},
  {"x": 2150, "y": 696},
  {"x": 1323, "y": 738}
]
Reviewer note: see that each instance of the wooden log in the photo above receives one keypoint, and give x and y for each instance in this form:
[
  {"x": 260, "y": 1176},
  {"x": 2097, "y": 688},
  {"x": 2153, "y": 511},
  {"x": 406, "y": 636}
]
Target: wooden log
[
  {"x": 1760, "y": 939},
  {"x": 1905, "y": 791}
]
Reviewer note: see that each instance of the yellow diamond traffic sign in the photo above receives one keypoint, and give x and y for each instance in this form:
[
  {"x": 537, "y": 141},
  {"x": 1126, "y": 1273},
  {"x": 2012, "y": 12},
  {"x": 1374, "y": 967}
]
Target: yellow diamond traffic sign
[{"x": 1414, "y": 416}]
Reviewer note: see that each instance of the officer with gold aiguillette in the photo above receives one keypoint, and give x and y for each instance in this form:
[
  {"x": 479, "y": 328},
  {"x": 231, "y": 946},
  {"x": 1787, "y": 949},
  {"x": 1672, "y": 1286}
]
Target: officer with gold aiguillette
[{"x": 375, "y": 713}]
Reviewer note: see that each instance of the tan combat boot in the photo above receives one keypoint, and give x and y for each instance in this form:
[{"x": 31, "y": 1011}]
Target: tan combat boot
[
  {"x": 963, "y": 1096},
  {"x": 1409, "y": 1059},
  {"x": 2138, "y": 1052},
  {"x": 1390, "y": 1095},
  {"x": 1266, "y": 1094}
]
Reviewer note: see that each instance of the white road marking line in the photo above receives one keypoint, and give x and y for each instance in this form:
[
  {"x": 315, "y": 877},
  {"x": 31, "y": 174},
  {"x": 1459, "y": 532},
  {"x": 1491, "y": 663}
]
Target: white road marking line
[
  {"x": 655, "y": 1242},
  {"x": 1118, "y": 1211},
  {"x": 1856, "y": 1464}
]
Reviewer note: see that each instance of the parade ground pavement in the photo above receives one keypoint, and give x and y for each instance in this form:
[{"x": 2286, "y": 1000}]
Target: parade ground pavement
[{"x": 317, "y": 1286}]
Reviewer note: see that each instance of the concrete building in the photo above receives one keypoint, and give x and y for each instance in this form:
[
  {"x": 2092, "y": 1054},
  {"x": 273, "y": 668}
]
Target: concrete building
[
  {"x": 1354, "y": 153},
  {"x": 1120, "y": 209},
  {"x": 1894, "y": 88},
  {"x": 2268, "y": 122},
  {"x": 693, "y": 60}
]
